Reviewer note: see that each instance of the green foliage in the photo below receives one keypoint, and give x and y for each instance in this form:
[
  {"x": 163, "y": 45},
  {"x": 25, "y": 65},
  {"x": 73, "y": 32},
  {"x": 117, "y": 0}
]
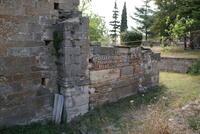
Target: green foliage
[
  {"x": 84, "y": 5},
  {"x": 58, "y": 38},
  {"x": 97, "y": 27},
  {"x": 124, "y": 25},
  {"x": 115, "y": 24},
  {"x": 131, "y": 38},
  {"x": 190, "y": 8},
  {"x": 194, "y": 123},
  {"x": 182, "y": 16},
  {"x": 144, "y": 18},
  {"x": 195, "y": 68},
  {"x": 164, "y": 46},
  {"x": 180, "y": 27}
]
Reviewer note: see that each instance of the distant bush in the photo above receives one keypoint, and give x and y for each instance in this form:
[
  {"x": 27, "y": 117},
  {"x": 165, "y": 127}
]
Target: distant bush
[
  {"x": 131, "y": 38},
  {"x": 195, "y": 68}
]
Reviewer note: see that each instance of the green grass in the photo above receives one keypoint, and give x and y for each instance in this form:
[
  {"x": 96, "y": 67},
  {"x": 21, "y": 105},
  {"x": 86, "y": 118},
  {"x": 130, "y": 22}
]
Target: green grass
[
  {"x": 177, "y": 52},
  {"x": 107, "y": 114},
  {"x": 179, "y": 89},
  {"x": 194, "y": 123}
]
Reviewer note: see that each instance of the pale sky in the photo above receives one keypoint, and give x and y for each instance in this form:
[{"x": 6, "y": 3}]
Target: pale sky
[{"x": 105, "y": 7}]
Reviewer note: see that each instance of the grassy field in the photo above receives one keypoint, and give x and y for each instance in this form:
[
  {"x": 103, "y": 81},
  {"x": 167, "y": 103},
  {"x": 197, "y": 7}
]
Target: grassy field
[
  {"x": 178, "y": 52},
  {"x": 129, "y": 115}
]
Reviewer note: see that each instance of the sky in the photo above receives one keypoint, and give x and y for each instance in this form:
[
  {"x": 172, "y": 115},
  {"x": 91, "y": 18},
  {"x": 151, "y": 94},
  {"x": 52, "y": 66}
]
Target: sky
[{"x": 105, "y": 7}]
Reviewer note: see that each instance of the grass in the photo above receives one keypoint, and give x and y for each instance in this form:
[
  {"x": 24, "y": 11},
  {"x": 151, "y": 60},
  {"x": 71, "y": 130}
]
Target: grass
[
  {"x": 127, "y": 114},
  {"x": 155, "y": 123},
  {"x": 177, "y": 52},
  {"x": 194, "y": 123},
  {"x": 93, "y": 121},
  {"x": 181, "y": 88}
]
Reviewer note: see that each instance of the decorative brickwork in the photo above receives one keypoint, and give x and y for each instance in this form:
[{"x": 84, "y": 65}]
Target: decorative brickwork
[
  {"x": 44, "y": 49},
  {"x": 118, "y": 72}
]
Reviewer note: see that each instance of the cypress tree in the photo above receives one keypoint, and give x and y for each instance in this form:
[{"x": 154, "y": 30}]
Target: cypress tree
[
  {"x": 124, "y": 25},
  {"x": 115, "y": 24}
]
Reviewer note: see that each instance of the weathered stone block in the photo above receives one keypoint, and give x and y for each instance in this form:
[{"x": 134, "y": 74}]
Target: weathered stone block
[
  {"x": 104, "y": 75},
  {"x": 127, "y": 71}
]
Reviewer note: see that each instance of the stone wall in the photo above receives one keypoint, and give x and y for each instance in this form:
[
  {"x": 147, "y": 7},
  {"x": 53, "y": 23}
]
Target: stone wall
[
  {"x": 45, "y": 50},
  {"x": 73, "y": 73},
  {"x": 178, "y": 65},
  {"x": 28, "y": 71},
  {"x": 118, "y": 72}
]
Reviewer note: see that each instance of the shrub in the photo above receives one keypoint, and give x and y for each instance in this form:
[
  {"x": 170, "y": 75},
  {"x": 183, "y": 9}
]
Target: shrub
[
  {"x": 195, "y": 68},
  {"x": 131, "y": 38}
]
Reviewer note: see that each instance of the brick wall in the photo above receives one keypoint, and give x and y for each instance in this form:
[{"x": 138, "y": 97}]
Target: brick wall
[{"x": 118, "y": 72}]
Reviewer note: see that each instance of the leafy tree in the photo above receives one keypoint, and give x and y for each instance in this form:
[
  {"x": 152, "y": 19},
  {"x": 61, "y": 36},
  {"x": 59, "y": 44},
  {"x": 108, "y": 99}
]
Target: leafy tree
[
  {"x": 182, "y": 17},
  {"x": 143, "y": 16},
  {"x": 180, "y": 28},
  {"x": 97, "y": 27},
  {"x": 190, "y": 9},
  {"x": 167, "y": 12},
  {"x": 84, "y": 5},
  {"x": 124, "y": 25},
  {"x": 115, "y": 24}
]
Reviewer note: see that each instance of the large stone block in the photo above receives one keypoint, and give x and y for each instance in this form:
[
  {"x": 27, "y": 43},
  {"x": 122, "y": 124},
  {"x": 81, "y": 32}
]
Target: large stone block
[
  {"x": 104, "y": 75},
  {"x": 127, "y": 71}
]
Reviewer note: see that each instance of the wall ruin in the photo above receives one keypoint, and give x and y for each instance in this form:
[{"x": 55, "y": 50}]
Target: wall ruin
[
  {"x": 177, "y": 65},
  {"x": 28, "y": 73},
  {"x": 32, "y": 71},
  {"x": 118, "y": 72}
]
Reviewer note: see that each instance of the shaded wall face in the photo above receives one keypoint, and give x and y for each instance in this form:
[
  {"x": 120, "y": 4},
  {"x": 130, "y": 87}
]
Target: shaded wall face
[
  {"x": 178, "y": 65},
  {"x": 27, "y": 63}
]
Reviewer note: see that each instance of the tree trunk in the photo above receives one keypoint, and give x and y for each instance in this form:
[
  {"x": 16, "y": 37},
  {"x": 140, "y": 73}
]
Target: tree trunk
[
  {"x": 191, "y": 42},
  {"x": 146, "y": 34},
  {"x": 185, "y": 42}
]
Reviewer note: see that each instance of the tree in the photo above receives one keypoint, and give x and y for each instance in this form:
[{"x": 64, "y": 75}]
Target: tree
[
  {"x": 180, "y": 28},
  {"x": 124, "y": 25},
  {"x": 143, "y": 16},
  {"x": 182, "y": 17},
  {"x": 167, "y": 12},
  {"x": 115, "y": 24},
  {"x": 97, "y": 27},
  {"x": 190, "y": 9},
  {"x": 84, "y": 5}
]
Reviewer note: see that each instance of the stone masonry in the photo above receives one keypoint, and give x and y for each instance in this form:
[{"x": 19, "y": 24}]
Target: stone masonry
[
  {"x": 118, "y": 72},
  {"x": 28, "y": 73},
  {"x": 178, "y": 65},
  {"x": 73, "y": 70},
  {"x": 35, "y": 64}
]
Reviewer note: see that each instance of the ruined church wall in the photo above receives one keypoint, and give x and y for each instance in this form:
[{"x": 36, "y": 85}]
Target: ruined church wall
[
  {"x": 118, "y": 72},
  {"x": 73, "y": 73},
  {"x": 28, "y": 73},
  {"x": 31, "y": 71}
]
